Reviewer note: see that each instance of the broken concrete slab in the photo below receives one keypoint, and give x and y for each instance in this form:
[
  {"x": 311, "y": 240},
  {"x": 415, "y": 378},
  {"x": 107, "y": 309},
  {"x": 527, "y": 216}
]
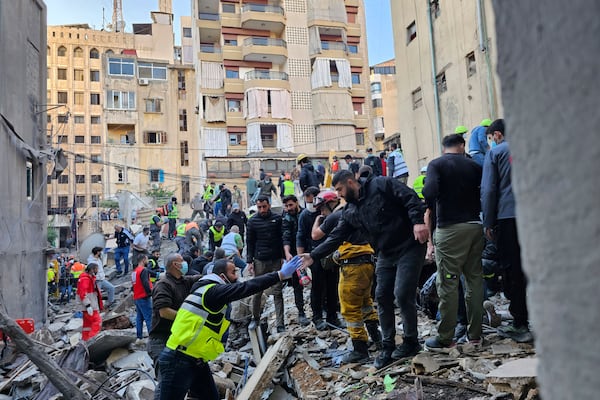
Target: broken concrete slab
[
  {"x": 116, "y": 321},
  {"x": 101, "y": 345},
  {"x": 74, "y": 324},
  {"x": 124, "y": 305},
  {"x": 515, "y": 377},
  {"x": 116, "y": 355},
  {"x": 141, "y": 390}
]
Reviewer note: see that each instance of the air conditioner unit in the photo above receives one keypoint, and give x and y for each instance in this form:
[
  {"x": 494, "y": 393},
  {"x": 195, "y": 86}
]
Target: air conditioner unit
[
  {"x": 143, "y": 81},
  {"x": 154, "y": 186}
]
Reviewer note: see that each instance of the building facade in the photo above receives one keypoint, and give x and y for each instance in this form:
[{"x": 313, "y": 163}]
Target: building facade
[
  {"x": 23, "y": 158},
  {"x": 384, "y": 103},
  {"x": 453, "y": 46},
  {"x": 275, "y": 79}
]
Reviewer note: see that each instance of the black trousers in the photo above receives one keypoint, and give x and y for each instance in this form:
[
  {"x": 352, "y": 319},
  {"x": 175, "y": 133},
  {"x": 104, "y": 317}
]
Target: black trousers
[
  {"x": 515, "y": 282},
  {"x": 324, "y": 293}
]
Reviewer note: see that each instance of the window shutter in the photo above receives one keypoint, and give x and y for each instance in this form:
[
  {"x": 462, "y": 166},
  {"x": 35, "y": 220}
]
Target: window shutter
[
  {"x": 145, "y": 137},
  {"x": 163, "y": 137},
  {"x": 161, "y": 175}
]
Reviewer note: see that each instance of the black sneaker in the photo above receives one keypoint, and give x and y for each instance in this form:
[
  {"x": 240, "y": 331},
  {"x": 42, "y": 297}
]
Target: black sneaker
[
  {"x": 406, "y": 349},
  {"x": 320, "y": 324},
  {"x": 383, "y": 358},
  {"x": 302, "y": 320}
]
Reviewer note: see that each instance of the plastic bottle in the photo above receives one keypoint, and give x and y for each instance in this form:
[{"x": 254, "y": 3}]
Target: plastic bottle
[{"x": 303, "y": 277}]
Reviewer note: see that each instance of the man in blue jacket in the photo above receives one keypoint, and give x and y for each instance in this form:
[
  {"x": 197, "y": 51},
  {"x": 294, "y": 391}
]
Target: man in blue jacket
[
  {"x": 478, "y": 144},
  {"x": 499, "y": 222}
]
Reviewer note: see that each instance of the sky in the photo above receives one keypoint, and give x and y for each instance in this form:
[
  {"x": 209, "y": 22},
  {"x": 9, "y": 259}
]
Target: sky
[{"x": 62, "y": 12}]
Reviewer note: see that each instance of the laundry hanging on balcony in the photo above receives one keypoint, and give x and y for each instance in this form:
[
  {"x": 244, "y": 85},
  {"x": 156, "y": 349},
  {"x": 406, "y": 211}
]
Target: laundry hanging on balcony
[
  {"x": 256, "y": 104},
  {"x": 212, "y": 75},
  {"x": 215, "y": 142},
  {"x": 253, "y": 138},
  {"x": 214, "y": 109},
  {"x": 285, "y": 140},
  {"x": 281, "y": 104}
]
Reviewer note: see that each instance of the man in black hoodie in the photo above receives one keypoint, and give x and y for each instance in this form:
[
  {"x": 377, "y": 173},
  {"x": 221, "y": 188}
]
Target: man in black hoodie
[{"x": 308, "y": 175}]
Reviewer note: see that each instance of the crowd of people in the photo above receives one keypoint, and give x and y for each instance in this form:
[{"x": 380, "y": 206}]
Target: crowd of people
[{"x": 364, "y": 241}]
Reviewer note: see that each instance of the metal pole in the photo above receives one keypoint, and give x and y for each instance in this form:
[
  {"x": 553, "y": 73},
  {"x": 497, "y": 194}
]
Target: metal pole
[{"x": 436, "y": 95}]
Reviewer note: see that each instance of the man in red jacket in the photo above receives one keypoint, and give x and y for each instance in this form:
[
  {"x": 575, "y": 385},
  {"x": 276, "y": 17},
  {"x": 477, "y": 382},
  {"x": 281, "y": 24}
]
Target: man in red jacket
[
  {"x": 142, "y": 291},
  {"x": 91, "y": 299}
]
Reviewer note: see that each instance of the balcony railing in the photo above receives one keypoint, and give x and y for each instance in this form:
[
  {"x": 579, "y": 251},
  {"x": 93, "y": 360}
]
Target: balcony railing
[
  {"x": 210, "y": 48},
  {"x": 262, "y": 8},
  {"x": 260, "y": 41},
  {"x": 208, "y": 17},
  {"x": 273, "y": 75},
  {"x": 325, "y": 45}
]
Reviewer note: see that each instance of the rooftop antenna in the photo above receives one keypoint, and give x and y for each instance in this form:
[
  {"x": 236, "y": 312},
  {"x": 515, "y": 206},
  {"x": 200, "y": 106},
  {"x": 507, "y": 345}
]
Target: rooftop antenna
[{"x": 118, "y": 24}]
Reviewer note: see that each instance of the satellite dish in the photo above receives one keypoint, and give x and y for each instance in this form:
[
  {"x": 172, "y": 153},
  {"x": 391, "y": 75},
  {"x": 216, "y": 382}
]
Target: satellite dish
[{"x": 93, "y": 240}]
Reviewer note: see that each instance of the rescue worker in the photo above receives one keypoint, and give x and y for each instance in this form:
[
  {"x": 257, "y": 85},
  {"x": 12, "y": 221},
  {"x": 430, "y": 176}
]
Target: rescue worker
[
  {"x": 335, "y": 165},
  {"x": 77, "y": 269},
  {"x": 355, "y": 258},
  {"x": 478, "y": 143},
  {"x": 233, "y": 245},
  {"x": 237, "y": 217},
  {"x": 103, "y": 283},
  {"x": 153, "y": 266},
  {"x": 91, "y": 301},
  {"x": 396, "y": 165},
  {"x": 180, "y": 234},
  {"x": 155, "y": 227},
  {"x": 461, "y": 130},
  {"x": 198, "y": 330},
  {"x": 142, "y": 291},
  {"x": 172, "y": 215},
  {"x": 419, "y": 183},
  {"x": 193, "y": 237},
  {"x": 215, "y": 235},
  {"x": 288, "y": 186},
  {"x": 51, "y": 277},
  {"x": 308, "y": 175}
]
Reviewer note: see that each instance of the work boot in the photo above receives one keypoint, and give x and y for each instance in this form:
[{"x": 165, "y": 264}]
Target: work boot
[
  {"x": 408, "y": 348},
  {"x": 360, "y": 353},
  {"x": 302, "y": 320},
  {"x": 383, "y": 358},
  {"x": 374, "y": 334},
  {"x": 320, "y": 324}
]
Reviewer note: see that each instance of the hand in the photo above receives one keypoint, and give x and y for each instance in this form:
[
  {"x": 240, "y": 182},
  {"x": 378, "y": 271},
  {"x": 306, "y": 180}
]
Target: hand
[
  {"x": 421, "y": 233},
  {"x": 289, "y": 267},
  {"x": 89, "y": 310},
  {"x": 430, "y": 255},
  {"x": 288, "y": 256},
  {"x": 489, "y": 234},
  {"x": 250, "y": 268},
  {"x": 307, "y": 260}
]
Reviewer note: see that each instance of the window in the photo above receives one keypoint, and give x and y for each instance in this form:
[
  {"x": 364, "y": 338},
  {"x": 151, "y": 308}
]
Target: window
[
  {"x": 153, "y": 105},
  {"x": 95, "y": 139},
  {"x": 48, "y": 118},
  {"x": 78, "y": 74},
  {"x": 79, "y": 139},
  {"x": 109, "y": 51},
  {"x": 356, "y": 78},
  {"x": 79, "y": 119},
  {"x": 417, "y": 98},
  {"x": 376, "y": 87},
  {"x": 181, "y": 80},
  {"x": 95, "y": 200},
  {"x": 230, "y": 42},
  {"x": 440, "y": 81},
  {"x": 157, "y": 175},
  {"x": 389, "y": 70},
  {"x": 121, "y": 178},
  {"x": 471, "y": 64},
  {"x": 49, "y": 202},
  {"x": 63, "y": 119},
  {"x": 79, "y": 201},
  {"x": 94, "y": 54},
  {"x": 183, "y": 120},
  {"x": 29, "y": 189},
  {"x": 121, "y": 66},
  {"x": 360, "y": 138},
  {"x": 63, "y": 97},
  {"x": 128, "y": 138},
  {"x": 228, "y": 8},
  {"x": 358, "y": 108},
  {"x": 234, "y": 105},
  {"x": 62, "y": 74},
  {"x": 63, "y": 179},
  {"x": 62, "y": 139},
  {"x": 79, "y": 159},
  {"x": 184, "y": 153},
  {"x": 268, "y": 135},
  {"x": 79, "y": 178},
  {"x": 62, "y": 51},
  {"x": 95, "y": 99},
  {"x": 78, "y": 98},
  {"x": 78, "y": 52},
  {"x": 95, "y": 158},
  {"x": 96, "y": 178},
  {"x": 411, "y": 32},
  {"x": 434, "y": 6},
  {"x": 95, "y": 76},
  {"x": 353, "y": 48},
  {"x": 155, "y": 137},
  {"x": 152, "y": 70},
  {"x": 187, "y": 32},
  {"x": 118, "y": 100},
  {"x": 95, "y": 120},
  {"x": 377, "y": 103},
  {"x": 232, "y": 74},
  {"x": 235, "y": 139},
  {"x": 63, "y": 202}
]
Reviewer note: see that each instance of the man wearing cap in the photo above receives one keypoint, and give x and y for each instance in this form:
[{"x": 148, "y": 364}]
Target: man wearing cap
[
  {"x": 373, "y": 161},
  {"x": 352, "y": 165},
  {"x": 215, "y": 235},
  {"x": 419, "y": 183},
  {"x": 478, "y": 144},
  {"x": 461, "y": 130},
  {"x": 308, "y": 175},
  {"x": 237, "y": 217}
]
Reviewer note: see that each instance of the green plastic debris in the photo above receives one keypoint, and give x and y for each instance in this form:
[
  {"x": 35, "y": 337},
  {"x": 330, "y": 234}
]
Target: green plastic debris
[{"x": 389, "y": 383}]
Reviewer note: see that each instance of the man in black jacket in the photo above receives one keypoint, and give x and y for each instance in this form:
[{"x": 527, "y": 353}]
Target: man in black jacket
[
  {"x": 374, "y": 162},
  {"x": 308, "y": 175},
  {"x": 265, "y": 254},
  {"x": 391, "y": 214},
  {"x": 226, "y": 197},
  {"x": 237, "y": 217}
]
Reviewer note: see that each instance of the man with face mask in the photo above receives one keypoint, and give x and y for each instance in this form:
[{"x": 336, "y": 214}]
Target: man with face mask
[
  {"x": 266, "y": 187},
  {"x": 197, "y": 333},
  {"x": 91, "y": 300},
  {"x": 142, "y": 290}
]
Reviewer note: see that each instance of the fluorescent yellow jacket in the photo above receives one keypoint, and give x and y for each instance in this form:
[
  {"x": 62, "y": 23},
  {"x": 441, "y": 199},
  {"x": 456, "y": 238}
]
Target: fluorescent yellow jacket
[
  {"x": 418, "y": 185},
  {"x": 217, "y": 235},
  {"x": 181, "y": 230},
  {"x": 288, "y": 188},
  {"x": 197, "y": 331}
]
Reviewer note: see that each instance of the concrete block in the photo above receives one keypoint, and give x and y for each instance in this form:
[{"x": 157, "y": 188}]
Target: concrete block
[
  {"x": 140, "y": 390},
  {"x": 74, "y": 324},
  {"x": 101, "y": 345},
  {"x": 514, "y": 377},
  {"x": 137, "y": 359}
]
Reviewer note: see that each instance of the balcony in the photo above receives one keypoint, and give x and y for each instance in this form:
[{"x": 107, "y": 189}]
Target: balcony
[
  {"x": 265, "y": 49},
  {"x": 332, "y": 50},
  {"x": 263, "y": 17},
  {"x": 270, "y": 79},
  {"x": 210, "y": 52},
  {"x": 209, "y": 27}
]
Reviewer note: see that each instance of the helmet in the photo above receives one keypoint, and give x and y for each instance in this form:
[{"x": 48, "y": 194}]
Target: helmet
[
  {"x": 325, "y": 197},
  {"x": 461, "y": 130},
  {"x": 301, "y": 157},
  {"x": 486, "y": 122},
  {"x": 424, "y": 169}
]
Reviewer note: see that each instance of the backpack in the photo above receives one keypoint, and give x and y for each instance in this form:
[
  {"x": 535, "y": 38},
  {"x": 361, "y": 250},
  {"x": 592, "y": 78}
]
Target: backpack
[{"x": 164, "y": 210}]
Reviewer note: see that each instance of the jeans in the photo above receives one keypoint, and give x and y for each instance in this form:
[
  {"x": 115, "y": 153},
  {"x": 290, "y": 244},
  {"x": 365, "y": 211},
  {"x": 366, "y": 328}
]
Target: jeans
[
  {"x": 109, "y": 289},
  {"x": 180, "y": 373},
  {"x": 122, "y": 253},
  {"x": 217, "y": 208},
  {"x": 144, "y": 313},
  {"x": 172, "y": 227},
  {"x": 397, "y": 278},
  {"x": 239, "y": 263},
  {"x": 261, "y": 268}
]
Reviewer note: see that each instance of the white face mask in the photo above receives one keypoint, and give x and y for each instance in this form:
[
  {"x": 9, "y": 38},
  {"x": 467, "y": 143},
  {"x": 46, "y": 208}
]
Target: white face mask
[{"x": 310, "y": 207}]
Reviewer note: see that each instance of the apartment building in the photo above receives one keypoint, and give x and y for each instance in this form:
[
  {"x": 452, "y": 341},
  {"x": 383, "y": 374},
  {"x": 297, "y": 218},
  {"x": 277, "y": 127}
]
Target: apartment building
[
  {"x": 275, "y": 79},
  {"x": 121, "y": 111},
  {"x": 384, "y": 102},
  {"x": 453, "y": 45}
]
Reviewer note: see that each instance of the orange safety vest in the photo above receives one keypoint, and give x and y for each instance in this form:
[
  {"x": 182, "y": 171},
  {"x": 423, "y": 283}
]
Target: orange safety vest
[{"x": 77, "y": 269}]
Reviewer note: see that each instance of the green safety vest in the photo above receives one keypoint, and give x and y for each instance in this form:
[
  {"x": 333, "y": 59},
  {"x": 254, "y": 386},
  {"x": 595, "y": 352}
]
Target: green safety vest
[
  {"x": 208, "y": 193},
  {"x": 216, "y": 234},
  {"x": 174, "y": 212},
  {"x": 418, "y": 185},
  {"x": 152, "y": 219},
  {"x": 181, "y": 230},
  {"x": 197, "y": 331},
  {"x": 288, "y": 188}
]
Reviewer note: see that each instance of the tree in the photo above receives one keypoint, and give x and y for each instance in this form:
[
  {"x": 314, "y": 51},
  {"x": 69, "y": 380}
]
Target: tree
[{"x": 160, "y": 194}]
